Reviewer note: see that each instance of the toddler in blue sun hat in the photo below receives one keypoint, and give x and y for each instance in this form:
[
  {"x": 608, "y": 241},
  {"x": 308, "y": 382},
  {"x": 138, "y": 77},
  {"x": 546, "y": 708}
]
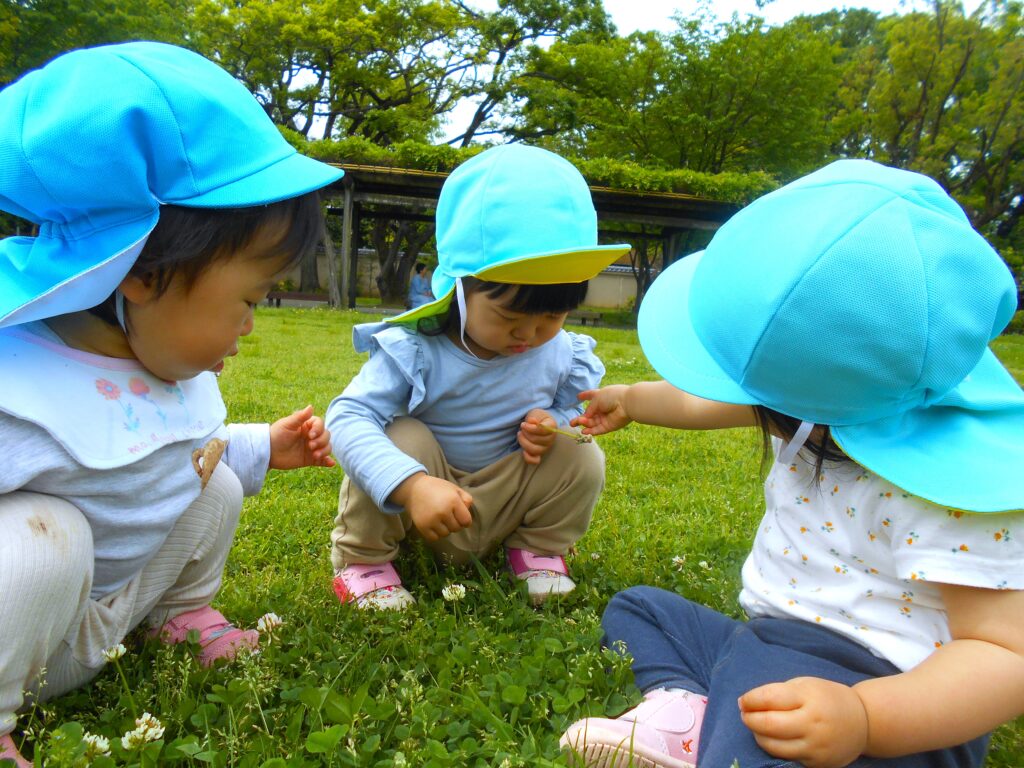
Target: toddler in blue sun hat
[
  {"x": 848, "y": 316},
  {"x": 448, "y": 432},
  {"x": 167, "y": 205}
]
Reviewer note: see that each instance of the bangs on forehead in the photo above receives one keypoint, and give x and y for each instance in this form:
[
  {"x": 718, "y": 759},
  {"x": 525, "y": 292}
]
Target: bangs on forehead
[{"x": 534, "y": 299}]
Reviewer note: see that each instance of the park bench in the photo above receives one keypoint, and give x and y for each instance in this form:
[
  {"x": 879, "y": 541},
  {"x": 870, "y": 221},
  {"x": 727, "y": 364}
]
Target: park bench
[
  {"x": 584, "y": 317},
  {"x": 274, "y": 297}
]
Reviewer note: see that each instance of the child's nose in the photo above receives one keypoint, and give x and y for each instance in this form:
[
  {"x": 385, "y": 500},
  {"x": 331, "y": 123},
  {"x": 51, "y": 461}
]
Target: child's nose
[{"x": 525, "y": 331}]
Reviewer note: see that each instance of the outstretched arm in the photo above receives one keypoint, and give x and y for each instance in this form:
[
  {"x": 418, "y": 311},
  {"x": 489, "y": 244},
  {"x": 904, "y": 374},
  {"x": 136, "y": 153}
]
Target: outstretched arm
[
  {"x": 660, "y": 404},
  {"x": 965, "y": 689}
]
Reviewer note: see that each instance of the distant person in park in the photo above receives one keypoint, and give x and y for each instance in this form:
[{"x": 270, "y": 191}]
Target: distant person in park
[
  {"x": 168, "y": 205},
  {"x": 419, "y": 287},
  {"x": 448, "y": 432},
  {"x": 847, "y": 315}
]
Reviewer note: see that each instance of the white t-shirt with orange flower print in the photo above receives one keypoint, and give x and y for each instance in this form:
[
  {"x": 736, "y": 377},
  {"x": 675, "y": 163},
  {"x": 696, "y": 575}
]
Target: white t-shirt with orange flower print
[{"x": 856, "y": 554}]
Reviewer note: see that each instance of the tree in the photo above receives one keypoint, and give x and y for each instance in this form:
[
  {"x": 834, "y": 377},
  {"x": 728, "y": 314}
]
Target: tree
[
  {"x": 503, "y": 40},
  {"x": 945, "y": 97},
  {"x": 34, "y": 31},
  {"x": 381, "y": 69},
  {"x": 733, "y": 97},
  {"x": 395, "y": 263}
]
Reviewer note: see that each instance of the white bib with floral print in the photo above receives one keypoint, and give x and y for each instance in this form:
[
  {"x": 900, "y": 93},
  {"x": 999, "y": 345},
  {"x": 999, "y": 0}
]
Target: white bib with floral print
[{"x": 105, "y": 412}]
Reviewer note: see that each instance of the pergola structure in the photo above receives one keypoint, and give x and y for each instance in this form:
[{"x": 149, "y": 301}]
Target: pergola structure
[{"x": 377, "y": 192}]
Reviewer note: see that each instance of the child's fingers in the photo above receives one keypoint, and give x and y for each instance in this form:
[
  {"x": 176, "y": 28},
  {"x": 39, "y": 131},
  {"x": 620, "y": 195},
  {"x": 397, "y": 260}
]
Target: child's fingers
[
  {"x": 588, "y": 395},
  {"x": 775, "y": 724},
  {"x": 774, "y": 696},
  {"x": 303, "y": 415},
  {"x": 462, "y": 516}
]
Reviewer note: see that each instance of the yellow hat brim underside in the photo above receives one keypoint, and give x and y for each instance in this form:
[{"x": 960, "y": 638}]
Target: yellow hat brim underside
[{"x": 573, "y": 266}]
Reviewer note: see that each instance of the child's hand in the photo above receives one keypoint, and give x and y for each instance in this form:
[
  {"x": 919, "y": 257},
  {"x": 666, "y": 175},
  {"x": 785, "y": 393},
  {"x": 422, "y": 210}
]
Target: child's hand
[
  {"x": 815, "y": 722},
  {"x": 536, "y": 435},
  {"x": 605, "y": 412},
  {"x": 437, "y": 507},
  {"x": 300, "y": 440}
]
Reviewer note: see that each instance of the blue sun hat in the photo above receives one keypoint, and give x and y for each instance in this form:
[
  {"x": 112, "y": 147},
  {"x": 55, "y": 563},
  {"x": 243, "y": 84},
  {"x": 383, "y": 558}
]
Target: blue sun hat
[
  {"x": 859, "y": 297},
  {"x": 514, "y": 214},
  {"x": 95, "y": 141}
]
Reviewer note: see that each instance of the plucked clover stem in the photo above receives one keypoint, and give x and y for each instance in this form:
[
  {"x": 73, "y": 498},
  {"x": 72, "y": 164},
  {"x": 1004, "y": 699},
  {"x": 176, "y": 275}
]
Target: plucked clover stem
[{"x": 574, "y": 435}]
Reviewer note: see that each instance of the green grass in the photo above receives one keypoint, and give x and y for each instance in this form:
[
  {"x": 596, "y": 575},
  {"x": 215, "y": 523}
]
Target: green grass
[{"x": 486, "y": 681}]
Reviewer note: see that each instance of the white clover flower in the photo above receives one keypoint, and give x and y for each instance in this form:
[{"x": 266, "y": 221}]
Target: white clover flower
[
  {"x": 114, "y": 653},
  {"x": 147, "y": 728},
  {"x": 679, "y": 561},
  {"x": 96, "y": 746},
  {"x": 506, "y": 763},
  {"x": 453, "y": 592},
  {"x": 705, "y": 565},
  {"x": 269, "y": 622},
  {"x": 595, "y": 555},
  {"x": 399, "y": 760}
]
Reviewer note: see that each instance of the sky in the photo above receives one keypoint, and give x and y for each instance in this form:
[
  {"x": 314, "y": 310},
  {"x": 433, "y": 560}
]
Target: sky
[{"x": 631, "y": 15}]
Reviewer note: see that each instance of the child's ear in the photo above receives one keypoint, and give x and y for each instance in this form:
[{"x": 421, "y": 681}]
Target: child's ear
[{"x": 138, "y": 289}]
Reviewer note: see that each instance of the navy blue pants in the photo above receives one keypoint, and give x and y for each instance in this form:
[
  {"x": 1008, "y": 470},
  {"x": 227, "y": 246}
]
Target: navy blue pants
[{"x": 678, "y": 644}]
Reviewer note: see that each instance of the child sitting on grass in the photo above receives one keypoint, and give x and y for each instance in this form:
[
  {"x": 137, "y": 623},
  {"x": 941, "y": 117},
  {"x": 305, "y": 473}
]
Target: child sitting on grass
[
  {"x": 448, "y": 431},
  {"x": 167, "y": 204},
  {"x": 848, "y": 316}
]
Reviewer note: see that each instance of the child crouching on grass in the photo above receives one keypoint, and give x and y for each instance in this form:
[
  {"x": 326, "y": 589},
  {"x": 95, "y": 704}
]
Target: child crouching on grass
[
  {"x": 448, "y": 432},
  {"x": 848, "y": 316},
  {"x": 167, "y": 204}
]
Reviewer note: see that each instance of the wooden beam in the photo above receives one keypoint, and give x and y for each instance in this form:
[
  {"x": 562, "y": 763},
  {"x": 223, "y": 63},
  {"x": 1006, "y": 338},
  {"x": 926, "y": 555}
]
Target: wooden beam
[{"x": 345, "y": 288}]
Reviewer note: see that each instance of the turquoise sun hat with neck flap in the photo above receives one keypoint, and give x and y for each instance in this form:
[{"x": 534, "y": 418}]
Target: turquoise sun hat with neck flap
[
  {"x": 93, "y": 143},
  {"x": 859, "y": 297},
  {"x": 514, "y": 214}
]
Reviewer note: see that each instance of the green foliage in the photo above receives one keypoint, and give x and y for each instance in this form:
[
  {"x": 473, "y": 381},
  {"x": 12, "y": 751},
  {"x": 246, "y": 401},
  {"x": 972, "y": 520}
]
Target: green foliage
[
  {"x": 32, "y": 33},
  {"x": 619, "y": 174},
  {"x": 941, "y": 93},
  {"x": 738, "y": 96},
  {"x": 484, "y": 681}
]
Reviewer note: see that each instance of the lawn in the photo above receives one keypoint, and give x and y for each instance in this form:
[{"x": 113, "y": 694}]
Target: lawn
[{"x": 483, "y": 681}]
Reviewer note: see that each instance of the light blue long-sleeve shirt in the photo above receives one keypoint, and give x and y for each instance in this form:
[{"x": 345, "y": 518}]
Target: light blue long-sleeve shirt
[{"x": 473, "y": 407}]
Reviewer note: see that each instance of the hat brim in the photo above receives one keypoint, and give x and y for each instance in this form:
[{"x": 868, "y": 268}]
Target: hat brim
[
  {"x": 964, "y": 452},
  {"x": 566, "y": 266},
  {"x": 291, "y": 176},
  {"x": 672, "y": 346}
]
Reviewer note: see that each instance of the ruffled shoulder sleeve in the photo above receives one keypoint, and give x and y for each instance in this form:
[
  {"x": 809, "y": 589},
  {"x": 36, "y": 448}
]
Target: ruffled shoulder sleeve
[
  {"x": 585, "y": 372},
  {"x": 402, "y": 350}
]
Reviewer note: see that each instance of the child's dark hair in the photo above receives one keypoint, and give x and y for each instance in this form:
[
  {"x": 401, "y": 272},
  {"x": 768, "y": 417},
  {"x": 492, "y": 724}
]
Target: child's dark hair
[
  {"x": 528, "y": 299},
  {"x": 772, "y": 422},
  {"x": 186, "y": 241}
]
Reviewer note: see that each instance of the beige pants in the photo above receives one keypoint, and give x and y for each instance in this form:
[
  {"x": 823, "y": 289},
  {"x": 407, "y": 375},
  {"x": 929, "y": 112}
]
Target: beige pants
[
  {"x": 47, "y": 620},
  {"x": 544, "y": 508}
]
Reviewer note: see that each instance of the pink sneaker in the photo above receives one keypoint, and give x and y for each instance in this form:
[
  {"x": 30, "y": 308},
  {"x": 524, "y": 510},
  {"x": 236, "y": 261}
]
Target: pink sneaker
[
  {"x": 662, "y": 732},
  {"x": 10, "y": 752},
  {"x": 544, "y": 575},
  {"x": 372, "y": 586},
  {"x": 218, "y": 637}
]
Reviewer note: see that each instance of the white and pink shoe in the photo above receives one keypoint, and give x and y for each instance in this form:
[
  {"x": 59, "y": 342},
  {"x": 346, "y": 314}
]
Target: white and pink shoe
[
  {"x": 10, "y": 752},
  {"x": 662, "y": 732},
  {"x": 372, "y": 586},
  {"x": 544, "y": 575},
  {"x": 218, "y": 637}
]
